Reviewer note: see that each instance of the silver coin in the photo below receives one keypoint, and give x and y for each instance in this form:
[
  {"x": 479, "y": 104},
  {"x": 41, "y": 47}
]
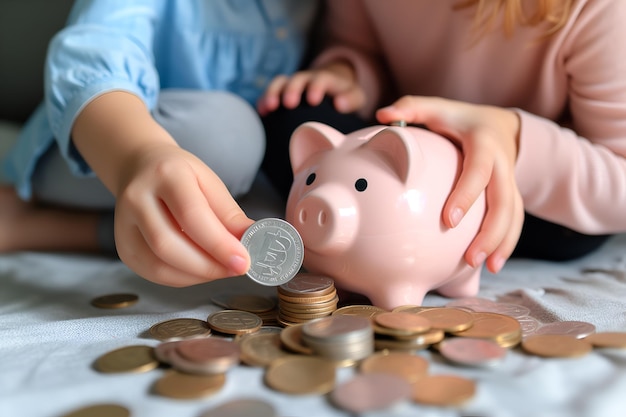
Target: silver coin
[
  {"x": 529, "y": 325},
  {"x": 578, "y": 329},
  {"x": 276, "y": 251},
  {"x": 508, "y": 309}
]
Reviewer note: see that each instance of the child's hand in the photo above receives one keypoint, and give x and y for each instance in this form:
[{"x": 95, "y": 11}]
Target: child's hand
[
  {"x": 175, "y": 222},
  {"x": 337, "y": 80},
  {"x": 488, "y": 138}
]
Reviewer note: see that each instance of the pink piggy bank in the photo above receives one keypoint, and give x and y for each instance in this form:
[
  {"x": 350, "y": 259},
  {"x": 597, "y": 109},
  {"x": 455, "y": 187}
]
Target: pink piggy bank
[{"x": 368, "y": 206}]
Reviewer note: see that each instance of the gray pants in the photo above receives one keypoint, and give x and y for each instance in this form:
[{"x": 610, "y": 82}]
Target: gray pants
[{"x": 221, "y": 129}]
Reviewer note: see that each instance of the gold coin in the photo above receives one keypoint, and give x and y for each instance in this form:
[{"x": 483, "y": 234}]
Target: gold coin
[
  {"x": 443, "y": 390},
  {"x": 261, "y": 349},
  {"x": 503, "y": 329},
  {"x": 136, "y": 358},
  {"x": 174, "y": 384},
  {"x": 359, "y": 310},
  {"x": 120, "y": 300},
  {"x": 403, "y": 321},
  {"x": 409, "y": 308},
  {"x": 607, "y": 339},
  {"x": 448, "y": 319},
  {"x": 301, "y": 375},
  {"x": 177, "y": 329},
  {"x": 100, "y": 410},
  {"x": 291, "y": 337},
  {"x": 234, "y": 322},
  {"x": 556, "y": 346},
  {"x": 405, "y": 365}
]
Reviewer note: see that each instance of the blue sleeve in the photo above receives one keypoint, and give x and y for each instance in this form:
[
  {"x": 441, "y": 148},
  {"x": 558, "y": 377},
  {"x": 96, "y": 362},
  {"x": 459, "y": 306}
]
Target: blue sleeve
[{"x": 107, "y": 45}]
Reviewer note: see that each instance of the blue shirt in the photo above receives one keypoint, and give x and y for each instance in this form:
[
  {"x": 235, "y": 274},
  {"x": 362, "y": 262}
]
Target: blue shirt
[{"x": 143, "y": 46}]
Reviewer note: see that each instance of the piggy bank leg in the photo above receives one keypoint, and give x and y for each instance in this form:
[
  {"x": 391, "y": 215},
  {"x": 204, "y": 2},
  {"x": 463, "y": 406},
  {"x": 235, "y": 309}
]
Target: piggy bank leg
[
  {"x": 389, "y": 298},
  {"x": 466, "y": 285}
]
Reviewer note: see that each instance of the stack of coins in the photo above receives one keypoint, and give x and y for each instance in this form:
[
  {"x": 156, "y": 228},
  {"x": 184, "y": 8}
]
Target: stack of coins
[
  {"x": 342, "y": 339},
  {"x": 306, "y": 297}
]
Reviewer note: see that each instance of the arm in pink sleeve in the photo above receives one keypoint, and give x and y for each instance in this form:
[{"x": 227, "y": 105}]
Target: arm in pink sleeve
[
  {"x": 578, "y": 177},
  {"x": 350, "y": 36},
  {"x": 570, "y": 180}
]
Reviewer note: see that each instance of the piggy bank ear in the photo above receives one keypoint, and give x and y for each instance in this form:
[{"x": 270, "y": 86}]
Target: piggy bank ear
[
  {"x": 309, "y": 139},
  {"x": 396, "y": 146}
]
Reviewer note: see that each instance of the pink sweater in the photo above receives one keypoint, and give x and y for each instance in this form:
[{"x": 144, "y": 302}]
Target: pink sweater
[{"x": 575, "y": 177}]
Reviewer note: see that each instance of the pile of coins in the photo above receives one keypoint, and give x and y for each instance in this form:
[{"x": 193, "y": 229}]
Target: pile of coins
[
  {"x": 341, "y": 339},
  {"x": 314, "y": 338},
  {"x": 306, "y": 297}
]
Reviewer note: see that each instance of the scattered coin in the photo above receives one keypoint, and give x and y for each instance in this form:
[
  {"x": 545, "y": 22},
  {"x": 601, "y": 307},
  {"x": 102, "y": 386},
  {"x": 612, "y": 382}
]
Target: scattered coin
[
  {"x": 556, "y": 346},
  {"x": 276, "y": 251},
  {"x": 178, "y": 329},
  {"x": 296, "y": 374},
  {"x": 472, "y": 352},
  {"x": 370, "y": 392},
  {"x": 443, "y": 390},
  {"x": 410, "y": 309},
  {"x": 204, "y": 356},
  {"x": 111, "y": 301},
  {"x": 291, "y": 337},
  {"x": 607, "y": 340},
  {"x": 504, "y": 330},
  {"x": 234, "y": 322},
  {"x": 403, "y": 321},
  {"x": 578, "y": 329},
  {"x": 251, "y": 303},
  {"x": 407, "y": 366},
  {"x": 359, "y": 310},
  {"x": 100, "y": 410},
  {"x": 529, "y": 325},
  {"x": 174, "y": 384},
  {"x": 261, "y": 349},
  {"x": 448, "y": 319},
  {"x": 135, "y": 358},
  {"x": 508, "y": 309},
  {"x": 243, "y": 407}
]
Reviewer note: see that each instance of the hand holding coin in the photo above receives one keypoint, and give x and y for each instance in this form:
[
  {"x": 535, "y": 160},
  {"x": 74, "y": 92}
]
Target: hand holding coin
[{"x": 276, "y": 251}]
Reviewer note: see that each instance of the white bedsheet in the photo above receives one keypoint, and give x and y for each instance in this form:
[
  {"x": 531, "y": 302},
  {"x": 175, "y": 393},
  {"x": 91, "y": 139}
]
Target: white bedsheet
[{"x": 50, "y": 335}]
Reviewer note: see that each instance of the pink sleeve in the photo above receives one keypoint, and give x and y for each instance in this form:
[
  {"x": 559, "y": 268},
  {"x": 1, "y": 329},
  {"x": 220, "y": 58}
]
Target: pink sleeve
[
  {"x": 579, "y": 179},
  {"x": 351, "y": 37},
  {"x": 570, "y": 180}
]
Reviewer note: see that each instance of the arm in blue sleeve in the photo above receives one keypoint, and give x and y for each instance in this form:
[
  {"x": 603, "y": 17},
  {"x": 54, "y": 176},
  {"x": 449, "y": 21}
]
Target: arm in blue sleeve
[{"x": 107, "y": 46}]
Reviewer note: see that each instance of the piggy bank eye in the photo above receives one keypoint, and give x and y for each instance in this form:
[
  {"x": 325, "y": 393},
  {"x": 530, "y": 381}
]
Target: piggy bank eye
[
  {"x": 310, "y": 178},
  {"x": 360, "y": 184}
]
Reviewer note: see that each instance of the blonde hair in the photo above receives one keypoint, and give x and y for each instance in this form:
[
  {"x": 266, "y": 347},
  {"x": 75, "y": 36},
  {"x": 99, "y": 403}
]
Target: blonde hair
[{"x": 516, "y": 13}]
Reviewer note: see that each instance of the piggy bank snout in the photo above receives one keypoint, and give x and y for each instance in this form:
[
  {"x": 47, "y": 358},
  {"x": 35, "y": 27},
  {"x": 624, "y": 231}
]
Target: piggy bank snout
[{"x": 327, "y": 219}]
